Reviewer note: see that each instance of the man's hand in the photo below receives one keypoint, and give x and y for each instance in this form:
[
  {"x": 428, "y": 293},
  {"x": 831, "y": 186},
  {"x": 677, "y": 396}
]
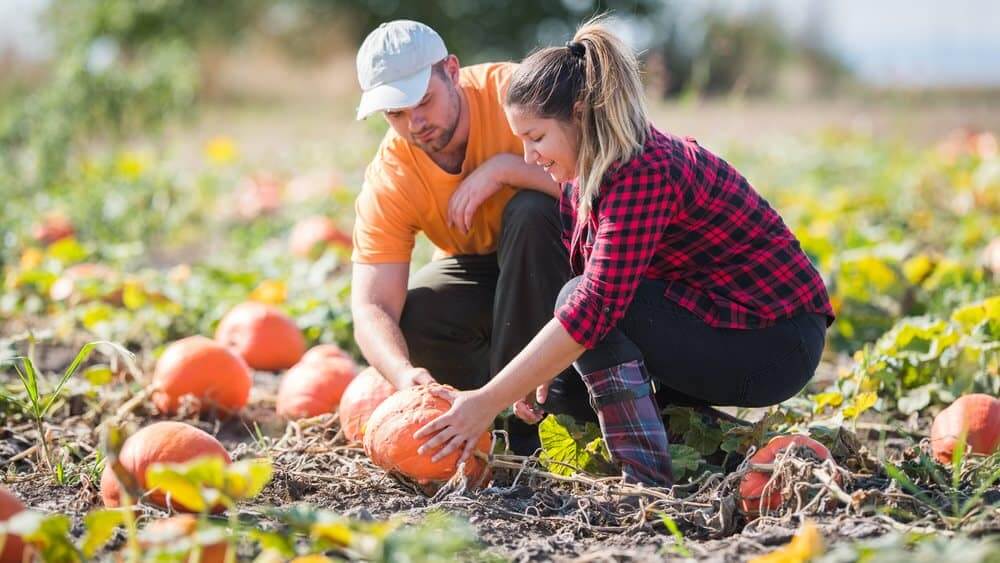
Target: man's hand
[
  {"x": 529, "y": 409},
  {"x": 411, "y": 377},
  {"x": 476, "y": 188}
]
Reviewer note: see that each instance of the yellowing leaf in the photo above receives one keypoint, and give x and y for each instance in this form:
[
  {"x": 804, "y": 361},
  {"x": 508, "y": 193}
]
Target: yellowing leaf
[
  {"x": 131, "y": 164},
  {"x": 247, "y": 478},
  {"x": 66, "y": 251},
  {"x": 916, "y": 269},
  {"x": 337, "y": 532},
  {"x": 133, "y": 295},
  {"x": 101, "y": 525},
  {"x": 181, "y": 489},
  {"x": 31, "y": 258},
  {"x": 805, "y": 545},
  {"x": 221, "y": 150},
  {"x": 861, "y": 403},
  {"x": 829, "y": 398},
  {"x": 273, "y": 292}
]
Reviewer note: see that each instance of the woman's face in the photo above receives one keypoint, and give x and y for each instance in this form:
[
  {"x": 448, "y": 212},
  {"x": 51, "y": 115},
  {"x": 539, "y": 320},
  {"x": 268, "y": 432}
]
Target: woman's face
[{"x": 549, "y": 143}]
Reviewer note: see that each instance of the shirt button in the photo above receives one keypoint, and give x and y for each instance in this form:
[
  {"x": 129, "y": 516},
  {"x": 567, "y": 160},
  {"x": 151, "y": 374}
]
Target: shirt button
[{"x": 607, "y": 309}]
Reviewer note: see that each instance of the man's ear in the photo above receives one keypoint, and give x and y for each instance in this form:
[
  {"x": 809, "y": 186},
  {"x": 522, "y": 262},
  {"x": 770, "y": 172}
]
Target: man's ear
[{"x": 452, "y": 66}]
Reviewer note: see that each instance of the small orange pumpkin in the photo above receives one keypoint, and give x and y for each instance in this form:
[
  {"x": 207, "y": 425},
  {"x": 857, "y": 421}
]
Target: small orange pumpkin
[
  {"x": 311, "y": 233},
  {"x": 13, "y": 548},
  {"x": 390, "y": 444},
  {"x": 978, "y": 415},
  {"x": 203, "y": 368},
  {"x": 312, "y": 388},
  {"x": 363, "y": 395},
  {"x": 53, "y": 227},
  {"x": 161, "y": 442},
  {"x": 751, "y": 495},
  {"x": 323, "y": 352},
  {"x": 263, "y": 335},
  {"x": 166, "y": 532}
]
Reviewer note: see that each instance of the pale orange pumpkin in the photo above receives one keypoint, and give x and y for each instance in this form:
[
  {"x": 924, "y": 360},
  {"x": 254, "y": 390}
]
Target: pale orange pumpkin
[
  {"x": 204, "y": 369},
  {"x": 751, "y": 495},
  {"x": 362, "y": 396},
  {"x": 161, "y": 442},
  {"x": 263, "y": 335},
  {"x": 310, "y": 235},
  {"x": 977, "y": 415},
  {"x": 314, "y": 387},
  {"x": 53, "y": 227},
  {"x": 390, "y": 444},
  {"x": 13, "y": 548},
  {"x": 165, "y": 533}
]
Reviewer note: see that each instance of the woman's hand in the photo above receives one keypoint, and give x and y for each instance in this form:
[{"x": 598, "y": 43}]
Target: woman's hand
[{"x": 460, "y": 428}]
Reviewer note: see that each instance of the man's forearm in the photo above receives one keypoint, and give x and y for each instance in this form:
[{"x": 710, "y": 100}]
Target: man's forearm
[
  {"x": 382, "y": 342},
  {"x": 514, "y": 171}
]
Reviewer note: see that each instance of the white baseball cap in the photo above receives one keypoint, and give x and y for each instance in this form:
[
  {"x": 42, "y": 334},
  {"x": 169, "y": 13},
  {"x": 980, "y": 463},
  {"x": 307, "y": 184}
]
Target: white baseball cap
[{"x": 394, "y": 65}]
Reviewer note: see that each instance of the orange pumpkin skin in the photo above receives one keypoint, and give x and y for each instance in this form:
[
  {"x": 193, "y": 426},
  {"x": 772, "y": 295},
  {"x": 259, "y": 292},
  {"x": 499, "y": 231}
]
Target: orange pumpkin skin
[
  {"x": 52, "y": 228},
  {"x": 263, "y": 335},
  {"x": 13, "y": 548},
  {"x": 324, "y": 352},
  {"x": 363, "y": 395},
  {"x": 310, "y": 233},
  {"x": 390, "y": 444},
  {"x": 312, "y": 388},
  {"x": 978, "y": 415},
  {"x": 166, "y": 531},
  {"x": 161, "y": 442},
  {"x": 751, "y": 498},
  {"x": 203, "y": 368}
]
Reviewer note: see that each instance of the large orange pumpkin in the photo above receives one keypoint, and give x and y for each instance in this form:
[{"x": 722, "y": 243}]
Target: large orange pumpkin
[
  {"x": 258, "y": 195},
  {"x": 309, "y": 235},
  {"x": 13, "y": 548},
  {"x": 165, "y": 533},
  {"x": 751, "y": 496},
  {"x": 390, "y": 444},
  {"x": 161, "y": 442},
  {"x": 263, "y": 335},
  {"x": 205, "y": 369},
  {"x": 314, "y": 387},
  {"x": 978, "y": 415},
  {"x": 363, "y": 395}
]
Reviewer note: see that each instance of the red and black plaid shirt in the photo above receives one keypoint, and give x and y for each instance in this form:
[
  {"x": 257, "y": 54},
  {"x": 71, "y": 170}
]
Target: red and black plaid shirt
[{"x": 680, "y": 214}]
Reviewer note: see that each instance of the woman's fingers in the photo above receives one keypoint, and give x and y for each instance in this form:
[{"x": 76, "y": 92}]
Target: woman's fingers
[
  {"x": 443, "y": 392},
  {"x": 456, "y": 442},
  {"x": 432, "y": 426},
  {"x": 526, "y": 412}
]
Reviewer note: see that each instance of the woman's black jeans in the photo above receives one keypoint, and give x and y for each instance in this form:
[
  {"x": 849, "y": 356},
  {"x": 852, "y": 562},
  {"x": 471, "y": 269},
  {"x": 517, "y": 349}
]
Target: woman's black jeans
[{"x": 693, "y": 363}]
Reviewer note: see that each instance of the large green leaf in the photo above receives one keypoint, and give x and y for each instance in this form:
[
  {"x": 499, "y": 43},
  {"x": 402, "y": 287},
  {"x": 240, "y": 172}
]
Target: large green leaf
[{"x": 568, "y": 447}]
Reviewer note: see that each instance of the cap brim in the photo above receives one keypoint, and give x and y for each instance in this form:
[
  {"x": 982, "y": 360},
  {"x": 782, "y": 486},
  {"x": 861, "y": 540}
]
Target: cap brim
[{"x": 400, "y": 94}]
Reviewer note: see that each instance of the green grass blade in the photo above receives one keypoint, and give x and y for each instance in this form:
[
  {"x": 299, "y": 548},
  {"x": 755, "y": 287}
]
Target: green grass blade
[
  {"x": 897, "y": 475},
  {"x": 81, "y": 357}
]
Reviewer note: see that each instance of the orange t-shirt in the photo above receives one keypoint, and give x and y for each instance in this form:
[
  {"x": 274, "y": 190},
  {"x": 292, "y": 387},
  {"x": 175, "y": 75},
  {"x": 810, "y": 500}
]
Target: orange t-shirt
[{"x": 405, "y": 192}]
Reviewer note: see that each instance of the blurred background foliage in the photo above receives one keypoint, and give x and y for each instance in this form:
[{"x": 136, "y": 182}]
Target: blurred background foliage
[{"x": 128, "y": 66}]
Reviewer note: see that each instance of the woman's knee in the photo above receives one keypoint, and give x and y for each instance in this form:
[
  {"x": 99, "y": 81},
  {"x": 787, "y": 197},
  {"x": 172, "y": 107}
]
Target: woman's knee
[{"x": 567, "y": 290}]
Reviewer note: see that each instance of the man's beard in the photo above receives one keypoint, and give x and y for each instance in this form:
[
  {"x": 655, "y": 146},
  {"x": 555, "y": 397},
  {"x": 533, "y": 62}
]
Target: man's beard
[{"x": 442, "y": 140}]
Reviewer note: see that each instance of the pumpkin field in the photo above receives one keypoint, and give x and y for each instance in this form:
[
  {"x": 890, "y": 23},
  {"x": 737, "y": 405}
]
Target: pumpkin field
[{"x": 179, "y": 380}]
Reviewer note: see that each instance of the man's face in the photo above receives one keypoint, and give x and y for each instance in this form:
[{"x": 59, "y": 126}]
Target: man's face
[{"x": 432, "y": 122}]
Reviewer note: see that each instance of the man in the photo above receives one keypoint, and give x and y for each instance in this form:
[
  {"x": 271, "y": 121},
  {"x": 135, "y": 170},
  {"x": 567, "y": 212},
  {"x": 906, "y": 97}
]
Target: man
[{"x": 451, "y": 168}]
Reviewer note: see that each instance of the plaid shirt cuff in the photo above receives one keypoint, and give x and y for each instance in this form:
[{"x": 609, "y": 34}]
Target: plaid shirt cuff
[{"x": 632, "y": 428}]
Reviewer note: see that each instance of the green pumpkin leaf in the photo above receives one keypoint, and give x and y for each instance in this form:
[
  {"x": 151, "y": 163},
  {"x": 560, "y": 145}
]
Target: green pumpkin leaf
[{"x": 565, "y": 444}]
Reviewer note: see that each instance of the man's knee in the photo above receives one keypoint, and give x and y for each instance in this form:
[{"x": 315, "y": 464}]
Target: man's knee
[
  {"x": 567, "y": 290},
  {"x": 530, "y": 211}
]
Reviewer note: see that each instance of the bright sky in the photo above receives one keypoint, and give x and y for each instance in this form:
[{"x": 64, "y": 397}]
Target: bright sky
[{"x": 885, "y": 41}]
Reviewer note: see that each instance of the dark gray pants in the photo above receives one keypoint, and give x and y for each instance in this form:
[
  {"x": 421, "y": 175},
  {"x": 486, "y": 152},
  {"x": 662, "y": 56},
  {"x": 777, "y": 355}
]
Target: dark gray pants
[{"x": 466, "y": 317}]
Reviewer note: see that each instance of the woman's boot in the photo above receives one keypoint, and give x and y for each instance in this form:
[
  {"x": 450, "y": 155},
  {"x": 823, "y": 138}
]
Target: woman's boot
[{"x": 630, "y": 422}]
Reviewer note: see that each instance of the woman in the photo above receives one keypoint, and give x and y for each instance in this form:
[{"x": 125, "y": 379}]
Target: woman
[{"x": 681, "y": 266}]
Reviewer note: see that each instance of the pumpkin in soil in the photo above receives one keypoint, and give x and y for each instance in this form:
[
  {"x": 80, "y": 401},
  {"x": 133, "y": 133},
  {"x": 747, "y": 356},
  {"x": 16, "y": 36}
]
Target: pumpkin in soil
[
  {"x": 167, "y": 533},
  {"x": 258, "y": 195},
  {"x": 82, "y": 282},
  {"x": 204, "y": 369},
  {"x": 314, "y": 387},
  {"x": 52, "y": 228},
  {"x": 324, "y": 352},
  {"x": 390, "y": 444},
  {"x": 752, "y": 500},
  {"x": 161, "y": 442},
  {"x": 13, "y": 547},
  {"x": 263, "y": 335},
  {"x": 311, "y": 235},
  {"x": 363, "y": 395},
  {"x": 977, "y": 415}
]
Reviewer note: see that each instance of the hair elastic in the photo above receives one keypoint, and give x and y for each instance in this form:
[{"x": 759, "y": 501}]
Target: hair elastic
[{"x": 577, "y": 49}]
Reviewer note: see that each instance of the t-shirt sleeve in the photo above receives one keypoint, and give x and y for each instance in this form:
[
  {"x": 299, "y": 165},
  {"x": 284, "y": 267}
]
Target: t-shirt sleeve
[{"x": 384, "y": 226}]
